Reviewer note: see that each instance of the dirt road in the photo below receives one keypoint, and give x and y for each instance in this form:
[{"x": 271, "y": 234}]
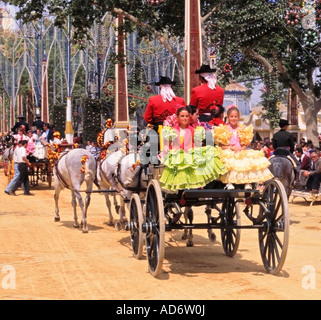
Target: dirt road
[{"x": 43, "y": 259}]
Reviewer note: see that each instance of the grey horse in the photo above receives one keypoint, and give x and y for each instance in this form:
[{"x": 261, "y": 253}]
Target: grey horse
[
  {"x": 7, "y": 157},
  {"x": 282, "y": 168},
  {"x": 122, "y": 173},
  {"x": 72, "y": 169}
]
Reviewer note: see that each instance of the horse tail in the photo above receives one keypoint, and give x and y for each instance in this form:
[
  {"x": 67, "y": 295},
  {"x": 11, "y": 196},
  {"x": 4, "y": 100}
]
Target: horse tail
[{"x": 89, "y": 174}]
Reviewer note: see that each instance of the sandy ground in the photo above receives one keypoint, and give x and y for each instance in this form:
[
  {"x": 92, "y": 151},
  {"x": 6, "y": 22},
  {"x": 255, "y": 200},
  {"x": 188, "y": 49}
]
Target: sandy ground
[{"x": 43, "y": 259}]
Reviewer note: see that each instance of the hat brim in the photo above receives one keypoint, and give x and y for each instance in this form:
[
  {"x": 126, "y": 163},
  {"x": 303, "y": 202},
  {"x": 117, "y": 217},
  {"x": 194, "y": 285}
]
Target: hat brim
[
  {"x": 166, "y": 82},
  {"x": 199, "y": 71}
]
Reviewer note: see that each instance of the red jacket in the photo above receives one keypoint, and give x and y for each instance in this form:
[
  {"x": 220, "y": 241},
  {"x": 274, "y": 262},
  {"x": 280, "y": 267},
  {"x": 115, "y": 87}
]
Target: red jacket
[
  {"x": 157, "y": 110},
  {"x": 202, "y": 96},
  {"x": 306, "y": 162}
]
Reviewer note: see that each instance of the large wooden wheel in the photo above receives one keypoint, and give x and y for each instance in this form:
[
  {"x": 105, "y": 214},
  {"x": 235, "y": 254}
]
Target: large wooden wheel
[
  {"x": 154, "y": 227},
  {"x": 135, "y": 226},
  {"x": 230, "y": 236},
  {"x": 274, "y": 235}
]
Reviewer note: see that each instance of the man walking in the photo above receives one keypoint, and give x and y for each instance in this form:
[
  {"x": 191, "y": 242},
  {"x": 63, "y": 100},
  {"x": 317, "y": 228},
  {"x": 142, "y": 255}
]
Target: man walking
[{"x": 23, "y": 164}]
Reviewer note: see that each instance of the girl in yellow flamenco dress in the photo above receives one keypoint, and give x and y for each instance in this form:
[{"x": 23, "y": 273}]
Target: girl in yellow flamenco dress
[
  {"x": 188, "y": 164},
  {"x": 244, "y": 165}
]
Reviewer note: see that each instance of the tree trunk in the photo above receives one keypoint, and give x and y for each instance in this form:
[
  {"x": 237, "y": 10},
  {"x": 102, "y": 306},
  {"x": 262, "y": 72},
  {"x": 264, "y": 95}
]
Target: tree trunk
[{"x": 311, "y": 107}]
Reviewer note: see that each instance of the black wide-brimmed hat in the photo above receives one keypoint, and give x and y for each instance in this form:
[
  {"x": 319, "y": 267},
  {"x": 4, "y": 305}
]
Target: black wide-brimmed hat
[
  {"x": 283, "y": 123},
  {"x": 205, "y": 68},
  {"x": 21, "y": 116},
  {"x": 164, "y": 80}
]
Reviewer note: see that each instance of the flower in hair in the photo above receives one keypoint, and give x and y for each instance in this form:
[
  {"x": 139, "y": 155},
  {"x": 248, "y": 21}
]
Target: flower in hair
[{"x": 232, "y": 106}]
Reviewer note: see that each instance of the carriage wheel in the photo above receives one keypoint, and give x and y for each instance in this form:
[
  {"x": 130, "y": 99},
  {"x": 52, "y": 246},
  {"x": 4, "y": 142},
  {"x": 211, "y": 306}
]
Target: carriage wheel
[
  {"x": 154, "y": 228},
  {"x": 136, "y": 221},
  {"x": 274, "y": 235},
  {"x": 229, "y": 235}
]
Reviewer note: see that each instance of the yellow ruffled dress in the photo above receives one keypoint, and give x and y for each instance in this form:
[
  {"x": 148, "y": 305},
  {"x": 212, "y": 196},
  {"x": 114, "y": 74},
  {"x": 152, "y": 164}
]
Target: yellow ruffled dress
[{"x": 245, "y": 166}]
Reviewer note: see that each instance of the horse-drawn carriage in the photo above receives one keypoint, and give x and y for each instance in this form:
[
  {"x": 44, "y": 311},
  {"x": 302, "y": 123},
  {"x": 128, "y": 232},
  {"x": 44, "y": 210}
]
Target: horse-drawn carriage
[
  {"x": 153, "y": 211},
  {"x": 160, "y": 211},
  {"x": 40, "y": 169}
]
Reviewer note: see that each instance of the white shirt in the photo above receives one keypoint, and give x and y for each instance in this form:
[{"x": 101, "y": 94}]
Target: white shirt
[
  {"x": 21, "y": 152},
  {"x": 15, "y": 154},
  {"x": 18, "y": 137}
]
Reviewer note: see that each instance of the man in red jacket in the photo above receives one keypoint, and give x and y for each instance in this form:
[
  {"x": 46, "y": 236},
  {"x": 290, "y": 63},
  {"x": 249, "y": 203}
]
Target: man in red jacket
[
  {"x": 207, "y": 93},
  {"x": 161, "y": 106}
]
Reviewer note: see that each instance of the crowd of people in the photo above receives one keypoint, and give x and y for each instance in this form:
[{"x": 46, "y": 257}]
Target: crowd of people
[
  {"x": 92, "y": 147},
  {"x": 30, "y": 145}
]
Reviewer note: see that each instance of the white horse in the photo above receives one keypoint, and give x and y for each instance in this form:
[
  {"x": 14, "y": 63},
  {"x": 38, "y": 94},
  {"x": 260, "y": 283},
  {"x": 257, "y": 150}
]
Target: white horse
[
  {"x": 7, "y": 157},
  {"x": 123, "y": 173},
  {"x": 71, "y": 170}
]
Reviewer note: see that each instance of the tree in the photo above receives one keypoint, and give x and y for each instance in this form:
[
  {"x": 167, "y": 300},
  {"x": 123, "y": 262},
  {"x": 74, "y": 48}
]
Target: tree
[{"x": 277, "y": 37}]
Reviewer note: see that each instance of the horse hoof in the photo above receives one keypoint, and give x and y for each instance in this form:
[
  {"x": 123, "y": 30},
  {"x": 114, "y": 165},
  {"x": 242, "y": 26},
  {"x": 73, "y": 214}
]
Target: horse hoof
[
  {"x": 189, "y": 244},
  {"x": 212, "y": 237},
  {"x": 85, "y": 230},
  {"x": 57, "y": 219},
  {"x": 110, "y": 223},
  {"x": 118, "y": 226},
  {"x": 76, "y": 225}
]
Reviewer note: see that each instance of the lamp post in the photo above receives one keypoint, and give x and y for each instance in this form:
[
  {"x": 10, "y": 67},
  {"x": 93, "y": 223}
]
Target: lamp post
[
  {"x": 121, "y": 97},
  {"x": 69, "y": 132},
  {"x": 193, "y": 45}
]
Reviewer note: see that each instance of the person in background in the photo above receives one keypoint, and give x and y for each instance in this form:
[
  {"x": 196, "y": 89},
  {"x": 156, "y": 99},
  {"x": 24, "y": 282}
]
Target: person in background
[
  {"x": 23, "y": 164},
  {"x": 283, "y": 144},
  {"x": 15, "y": 178},
  {"x": 31, "y": 146},
  {"x": 20, "y": 135},
  {"x": 283, "y": 138},
  {"x": 302, "y": 158},
  {"x": 21, "y": 122},
  {"x": 95, "y": 150},
  {"x": 56, "y": 136},
  {"x": 40, "y": 151},
  {"x": 38, "y": 123},
  {"x": 88, "y": 146},
  {"x": 314, "y": 174},
  {"x": 47, "y": 134}
]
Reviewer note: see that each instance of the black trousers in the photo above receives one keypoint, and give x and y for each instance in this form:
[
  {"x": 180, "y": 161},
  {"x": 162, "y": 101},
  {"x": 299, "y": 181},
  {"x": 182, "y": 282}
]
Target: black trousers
[
  {"x": 314, "y": 181},
  {"x": 23, "y": 178}
]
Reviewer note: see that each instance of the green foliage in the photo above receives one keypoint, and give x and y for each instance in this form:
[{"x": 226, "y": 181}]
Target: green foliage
[
  {"x": 91, "y": 119},
  {"x": 58, "y": 116}
]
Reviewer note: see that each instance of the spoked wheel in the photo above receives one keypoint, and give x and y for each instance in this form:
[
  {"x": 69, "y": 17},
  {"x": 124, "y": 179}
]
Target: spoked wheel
[
  {"x": 135, "y": 226},
  {"x": 154, "y": 227},
  {"x": 274, "y": 235},
  {"x": 230, "y": 235}
]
